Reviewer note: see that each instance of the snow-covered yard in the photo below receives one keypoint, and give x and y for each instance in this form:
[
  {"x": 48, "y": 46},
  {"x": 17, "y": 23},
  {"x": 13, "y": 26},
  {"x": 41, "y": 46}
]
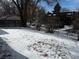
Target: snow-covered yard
[{"x": 39, "y": 45}]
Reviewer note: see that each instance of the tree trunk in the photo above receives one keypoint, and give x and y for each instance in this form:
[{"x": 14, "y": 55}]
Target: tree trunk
[
  {"x": 78, "y": 37},
  {"x": 23, "y": 20},
  {"x": 22, "y": 8}
]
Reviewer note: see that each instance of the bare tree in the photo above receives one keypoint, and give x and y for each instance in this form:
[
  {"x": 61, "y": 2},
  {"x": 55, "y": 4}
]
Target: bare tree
[
  {"x": 6, "y": 6},
  {"x": 22, "y": 8}
]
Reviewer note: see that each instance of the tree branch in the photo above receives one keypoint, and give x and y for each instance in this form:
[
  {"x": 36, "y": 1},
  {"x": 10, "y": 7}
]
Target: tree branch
[{"x": 17, "y": 5}]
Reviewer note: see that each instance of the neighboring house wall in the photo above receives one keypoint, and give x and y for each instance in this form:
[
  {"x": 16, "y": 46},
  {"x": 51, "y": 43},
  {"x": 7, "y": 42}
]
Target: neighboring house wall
[{"x": 12, "y": 21}]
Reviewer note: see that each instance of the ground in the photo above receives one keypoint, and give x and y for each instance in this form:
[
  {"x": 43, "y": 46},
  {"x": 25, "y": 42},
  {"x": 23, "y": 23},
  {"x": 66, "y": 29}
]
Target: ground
[{"x": 25, "y": 43}]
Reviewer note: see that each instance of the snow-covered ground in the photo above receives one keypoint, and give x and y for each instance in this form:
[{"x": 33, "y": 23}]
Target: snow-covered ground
[{"x": 39, "y": 45}]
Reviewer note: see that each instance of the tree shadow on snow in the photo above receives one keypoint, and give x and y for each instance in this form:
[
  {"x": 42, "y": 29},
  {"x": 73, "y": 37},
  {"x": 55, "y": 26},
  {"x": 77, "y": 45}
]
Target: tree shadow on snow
[
  {"x": 8, "y": 52},
  {"x": 2, "y": 32}
]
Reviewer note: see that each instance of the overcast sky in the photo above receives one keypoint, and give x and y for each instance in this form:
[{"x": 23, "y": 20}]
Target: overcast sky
[{"x": 70, "y": 4}]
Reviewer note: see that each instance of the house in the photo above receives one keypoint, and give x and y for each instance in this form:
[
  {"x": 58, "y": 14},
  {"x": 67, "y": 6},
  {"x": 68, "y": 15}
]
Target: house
[
  {"x": 10, "y": 21},
  {"x": 59, "y": 18}
]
